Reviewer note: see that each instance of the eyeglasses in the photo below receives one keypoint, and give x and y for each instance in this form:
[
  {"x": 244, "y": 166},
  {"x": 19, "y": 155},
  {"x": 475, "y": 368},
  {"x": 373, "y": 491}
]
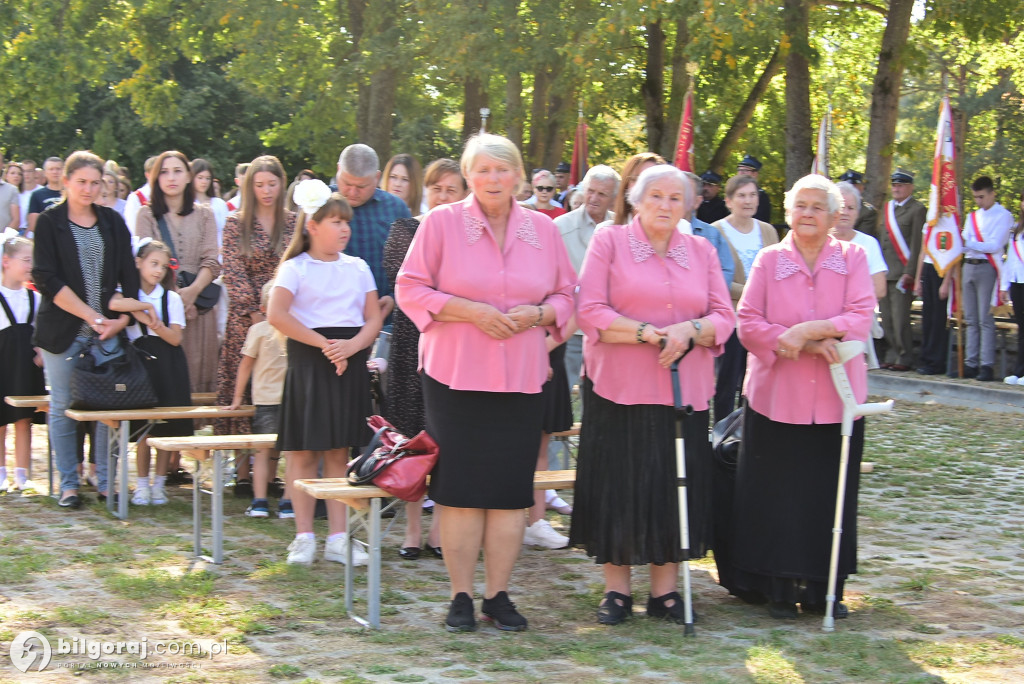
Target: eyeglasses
[{"x": 544, "y": 188}]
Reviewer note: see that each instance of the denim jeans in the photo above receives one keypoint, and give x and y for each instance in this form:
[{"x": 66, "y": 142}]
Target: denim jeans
[{"x": 63, "y": 430}]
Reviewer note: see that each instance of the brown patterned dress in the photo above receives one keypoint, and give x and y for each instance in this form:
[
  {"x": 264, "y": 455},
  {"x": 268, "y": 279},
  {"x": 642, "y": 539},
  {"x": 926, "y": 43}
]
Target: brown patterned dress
[
  {"x": 403, "y": 398},
  {"x": 244, "y": 277}
]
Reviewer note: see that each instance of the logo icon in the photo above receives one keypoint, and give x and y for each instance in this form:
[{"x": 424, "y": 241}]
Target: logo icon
[{"x": 27, "y": 647}]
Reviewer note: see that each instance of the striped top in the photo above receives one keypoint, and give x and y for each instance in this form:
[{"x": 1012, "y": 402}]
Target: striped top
[{"x": 89, "y": 242}]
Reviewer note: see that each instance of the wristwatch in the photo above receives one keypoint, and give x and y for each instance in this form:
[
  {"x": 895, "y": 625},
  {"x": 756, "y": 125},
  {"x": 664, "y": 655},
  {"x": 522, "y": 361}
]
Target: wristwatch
[{"x": 696, "y": 325}]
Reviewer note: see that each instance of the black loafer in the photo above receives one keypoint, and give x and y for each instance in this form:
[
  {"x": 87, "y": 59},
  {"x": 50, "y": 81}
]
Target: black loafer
[
  {"x": 782, "y": 611},
  {"x": 656, "y": 608},
  {"x": 409, "y": 552},
  {"x": 436, "y": 550},
  {"x": 70, "y": 501},
  {"x": 502, "y": 613},
  {"x": 460, "y": 614},
  {"x": 611, "y": 612}
]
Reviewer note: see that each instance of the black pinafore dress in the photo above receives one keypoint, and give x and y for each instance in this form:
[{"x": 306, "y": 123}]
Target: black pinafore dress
[
  {"x": 168, "y": 373},
  {"x": 20, "y": 375}
]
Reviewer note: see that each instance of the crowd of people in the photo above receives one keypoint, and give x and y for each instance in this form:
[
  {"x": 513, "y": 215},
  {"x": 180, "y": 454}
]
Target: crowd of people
[{"x": 490, "y": 307}]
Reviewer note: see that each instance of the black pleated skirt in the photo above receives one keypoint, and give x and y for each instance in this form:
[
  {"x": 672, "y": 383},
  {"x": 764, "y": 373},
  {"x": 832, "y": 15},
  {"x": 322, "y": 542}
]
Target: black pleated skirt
[
  {"x": 784, "y": 508},
  {"x": 320, "y": 410},
  {"x": 488, "y": 445},
  {"x": 626, "y": 502},
  {"x": 557, "y": 400},
  {"x": 19, "y": 375},
  {"x": 168, "y": 373}
]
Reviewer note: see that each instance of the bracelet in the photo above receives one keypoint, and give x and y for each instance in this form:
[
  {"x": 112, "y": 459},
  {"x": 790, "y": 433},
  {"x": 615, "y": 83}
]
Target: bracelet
[
  {"x": 540, "y": 316},
  {"x": 640, "y": 332}
]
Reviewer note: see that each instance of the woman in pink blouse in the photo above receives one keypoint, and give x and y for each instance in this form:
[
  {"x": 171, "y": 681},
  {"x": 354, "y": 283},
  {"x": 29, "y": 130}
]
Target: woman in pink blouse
[
  {"x": 641, "y": 283},
  {"x": 483, "y": 281},
  {"x": 803, "y": 295}
]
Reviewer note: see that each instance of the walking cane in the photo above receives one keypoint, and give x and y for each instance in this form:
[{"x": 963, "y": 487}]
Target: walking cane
[
  {"x": 684, "y": 515},
  {"x": 851, "y": 410}
]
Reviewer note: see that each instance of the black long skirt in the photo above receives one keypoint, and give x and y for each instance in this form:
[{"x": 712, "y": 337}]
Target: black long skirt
[
  {"x": 626, "y": 502},
  {"x": 168, "y": 373},
  {"x": 320, "y": 410},
  {"x": 19, "y": 375},
  {"x": 488, "y": 445},
  {"x": 557, "y": 400},
  {"x": 785, "y": 504}
]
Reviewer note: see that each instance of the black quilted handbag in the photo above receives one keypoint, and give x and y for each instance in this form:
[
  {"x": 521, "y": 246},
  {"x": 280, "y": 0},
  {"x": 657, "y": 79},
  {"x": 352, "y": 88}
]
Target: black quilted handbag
[{"x": 114, "y": 385}]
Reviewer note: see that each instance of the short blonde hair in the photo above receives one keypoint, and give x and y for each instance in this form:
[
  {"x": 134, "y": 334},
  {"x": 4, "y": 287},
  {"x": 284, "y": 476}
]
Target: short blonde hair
[{"x": 493, "y": 146}]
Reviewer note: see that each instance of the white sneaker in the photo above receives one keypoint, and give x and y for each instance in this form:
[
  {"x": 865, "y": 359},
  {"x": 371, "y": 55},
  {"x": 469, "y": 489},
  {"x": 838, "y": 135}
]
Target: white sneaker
[
  {"x": 157, "y": 495},
  {"x": 542, "y": 534},
  {"x": 301, "y": 551},
  {"x": 141, "y": 497},
  {"x": 5, "y": 486},
  {"x": 337, "y": 551},
  {"x": 1011, "y": 380}
]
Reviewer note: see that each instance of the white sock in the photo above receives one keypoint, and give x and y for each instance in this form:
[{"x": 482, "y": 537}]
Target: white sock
[
  {"x": 158, "y": 480},
  {"x": 338, "y": 536},
  {"x": 20, "y": 476},
  {"x": 142, "y": 482},
  {"x": 305, "y": 535},
  {"x": 3, "y": 473}
]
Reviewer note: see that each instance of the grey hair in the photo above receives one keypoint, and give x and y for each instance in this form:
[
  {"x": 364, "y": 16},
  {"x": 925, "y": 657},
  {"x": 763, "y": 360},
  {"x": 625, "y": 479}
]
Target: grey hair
[
  {"x": 815, "y": 182},
  {"x": 493, "y": 146},
  {"x": 359, "y": 160},
  {"x": 695, "y": 180},
  {"x": 542, "y": 174},
  {"x": 848, "y": 187},
  {"x": 601, "y": 172},
  {"x": 655, "y": 173}
]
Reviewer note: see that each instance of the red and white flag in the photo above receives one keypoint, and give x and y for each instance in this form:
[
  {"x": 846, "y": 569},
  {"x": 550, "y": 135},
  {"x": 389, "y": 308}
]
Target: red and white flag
[
  {"x": 579, "y": 152},
  {"x": 942, "y": 241},
  {"x": 820, "y": 163},
  {"x": 684, "y": 146}
]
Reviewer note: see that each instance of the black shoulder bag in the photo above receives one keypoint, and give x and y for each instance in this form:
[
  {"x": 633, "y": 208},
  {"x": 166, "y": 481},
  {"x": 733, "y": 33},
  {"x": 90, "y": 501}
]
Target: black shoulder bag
[{"x": 210, "y": 295}]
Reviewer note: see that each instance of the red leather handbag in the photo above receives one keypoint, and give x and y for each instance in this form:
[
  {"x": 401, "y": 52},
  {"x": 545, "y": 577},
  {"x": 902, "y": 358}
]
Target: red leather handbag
[{"x": 395, "y": 463}]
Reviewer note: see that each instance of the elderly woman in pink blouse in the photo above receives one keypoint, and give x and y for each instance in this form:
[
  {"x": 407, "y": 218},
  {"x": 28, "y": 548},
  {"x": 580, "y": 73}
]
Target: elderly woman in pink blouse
[
  {"x": 804, "y": 294},
  {"x": 641, "y": 283},
  {"x": 484, "y": 281}
]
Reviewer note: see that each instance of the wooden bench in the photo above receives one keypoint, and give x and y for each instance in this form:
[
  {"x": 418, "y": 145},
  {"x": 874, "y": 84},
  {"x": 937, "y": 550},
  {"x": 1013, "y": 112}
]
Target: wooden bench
[
  {"x": 364, "y": 511},
  {"x": 199, "y": 448},
  {"x": 119, "y": 423}
]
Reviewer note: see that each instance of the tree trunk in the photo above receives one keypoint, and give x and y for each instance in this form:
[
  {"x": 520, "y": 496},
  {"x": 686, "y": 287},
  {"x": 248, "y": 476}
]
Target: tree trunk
[
  {"x": 535, "y": 149},
  {"x": 514, "y": 108},
  {"x": 745, "y": 113},
  {"x": 885, "y": 100},
  {"x": 677, "y": 90},
  {"x": 383, "y": 86},
  {"x": 475, "y": 97},
  {"x": 653, "y": 87},
  {"x": 799, "y": 155},
  {"x": 554, "y": 140}
]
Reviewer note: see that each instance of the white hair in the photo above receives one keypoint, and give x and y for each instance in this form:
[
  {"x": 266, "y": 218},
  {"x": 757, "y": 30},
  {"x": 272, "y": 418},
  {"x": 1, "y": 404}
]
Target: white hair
[
  {"x": 359, "y": 160},
  {"x": 493, "y": 146},
  {"x": 601, "y": 172},
  {"x": 815, "y": 182},
  {"x": 655, "y": 173},
  {"x": 848, "y": 188}
]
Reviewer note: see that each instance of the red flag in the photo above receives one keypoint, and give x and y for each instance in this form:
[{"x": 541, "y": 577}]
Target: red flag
[
  {"x": 579, "y": 153},
  {"x": 942, "y": 240},
  {"x": 684, "y": 148}
]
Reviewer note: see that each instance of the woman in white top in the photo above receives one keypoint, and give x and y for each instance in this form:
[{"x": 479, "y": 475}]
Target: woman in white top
[
  {"x": 746, "y": 237},
  {"x": 202, "y": 181}
]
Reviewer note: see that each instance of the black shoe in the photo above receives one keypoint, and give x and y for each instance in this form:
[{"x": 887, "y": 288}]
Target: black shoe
[
  {"x": 986, "y": 374},
  {"x": 275, "y": 489},
  {"x": 953, "y": 373},
  {"x": 782, "y": 611},
  {"x": 243, "y": 489},
  {"x": 460, "y": 614},
  {"x": 179, "y": 477},
  {"x": 839, "y": 610},
  {"x": 71, "y": 501},
  {"x": 656, "y": 608},
  {"x": 970, "y": 372},
  {"x": 926, "y": 370},
  {"x": 610, "y": 612},
  {"x": 436, "y": 550},
  {"x": 409, "y": 552},
  {"x": 502, "y": 612}
]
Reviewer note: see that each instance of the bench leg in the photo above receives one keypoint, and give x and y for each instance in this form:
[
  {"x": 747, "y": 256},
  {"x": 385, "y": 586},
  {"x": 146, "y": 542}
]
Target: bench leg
[
  {"x": 122, "y": 456},
  {"x": 111, "y": 467},
  {"x": 352, "y": 516},
  {"x": 373, "y": 584},
  {"x": 218, "y": 507},
  {"x": 197, "y": 513}
]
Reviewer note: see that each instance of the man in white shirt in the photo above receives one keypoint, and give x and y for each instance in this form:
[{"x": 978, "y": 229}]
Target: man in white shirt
[
  {"x": 598, "y": 188},
  {"x": 138, "y": 198},
  {"x": 985, "y": 234}
]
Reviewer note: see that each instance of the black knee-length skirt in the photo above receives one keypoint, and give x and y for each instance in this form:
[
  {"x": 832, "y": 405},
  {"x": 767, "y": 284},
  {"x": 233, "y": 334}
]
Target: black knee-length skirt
[
  {"x": 785, "y": 502},
  {"x": 488, "y": 444},
  {"x": 626, "y": 502},
  {"x": 557, "y": 399},
  {"x": 321, "y": 410}
]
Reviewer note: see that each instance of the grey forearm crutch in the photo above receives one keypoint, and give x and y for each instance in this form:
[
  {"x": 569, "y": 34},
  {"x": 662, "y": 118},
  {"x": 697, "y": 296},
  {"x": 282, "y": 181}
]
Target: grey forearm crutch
[
  {"x": 684, "y": 513},
  {"x": 851, "y": 411}
]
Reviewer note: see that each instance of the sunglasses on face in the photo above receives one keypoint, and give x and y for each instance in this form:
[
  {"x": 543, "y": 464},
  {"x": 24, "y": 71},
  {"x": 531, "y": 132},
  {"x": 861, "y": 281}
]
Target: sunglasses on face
[{"x": 544, "y": 188}]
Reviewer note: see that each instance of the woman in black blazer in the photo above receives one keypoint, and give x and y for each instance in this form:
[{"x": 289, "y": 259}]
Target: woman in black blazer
[{"x": 82, "y": 255}]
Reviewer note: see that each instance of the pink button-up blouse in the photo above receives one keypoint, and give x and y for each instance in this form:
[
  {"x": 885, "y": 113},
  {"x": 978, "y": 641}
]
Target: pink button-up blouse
[
  {"x": 455, "y": 254},
  {"x": 782, "y": 292},
  {"x": 623, "y": 276}
]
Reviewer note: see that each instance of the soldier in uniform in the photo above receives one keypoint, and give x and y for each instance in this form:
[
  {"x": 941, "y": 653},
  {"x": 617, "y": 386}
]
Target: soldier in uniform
[
  {"x": 713, "y": 207},
  {"x": 750, "y": 166},
  {"x": 902, "y": 222},
  {"x": 867, "y": 221}
]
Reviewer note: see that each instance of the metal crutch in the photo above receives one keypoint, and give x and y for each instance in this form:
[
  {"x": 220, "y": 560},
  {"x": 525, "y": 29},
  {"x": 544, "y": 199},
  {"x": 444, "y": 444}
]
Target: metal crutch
[
  {"x": 684, "y": 515},
  {"x": 851, "y": 411}
]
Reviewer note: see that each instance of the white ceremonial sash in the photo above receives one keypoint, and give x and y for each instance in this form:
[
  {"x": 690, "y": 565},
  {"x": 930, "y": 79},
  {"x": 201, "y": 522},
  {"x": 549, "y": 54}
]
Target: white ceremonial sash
[{"x": 895, "y": 236}]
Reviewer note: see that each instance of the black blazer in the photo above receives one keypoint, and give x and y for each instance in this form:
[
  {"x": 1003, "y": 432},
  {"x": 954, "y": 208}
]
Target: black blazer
[{"x": 56, "y": 265}]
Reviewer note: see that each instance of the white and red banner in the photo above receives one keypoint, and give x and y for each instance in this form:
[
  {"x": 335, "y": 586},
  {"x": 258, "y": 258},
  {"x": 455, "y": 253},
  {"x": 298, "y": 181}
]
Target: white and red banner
[
  {"x": 821, "y": 160},
  {"x": 684, "y": 146},
  {"x": 942, "y": 241}
]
